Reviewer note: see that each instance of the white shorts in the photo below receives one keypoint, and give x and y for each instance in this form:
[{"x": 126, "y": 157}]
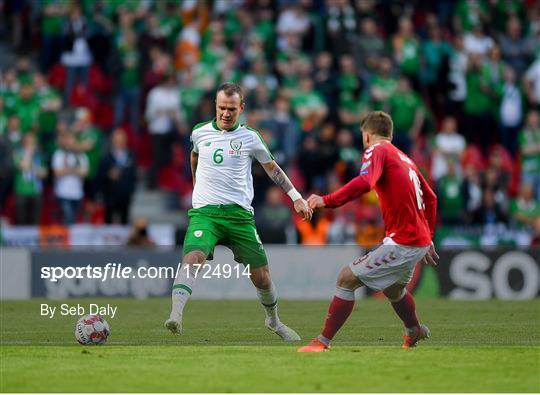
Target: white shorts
[{"x": 388, "y": 264}]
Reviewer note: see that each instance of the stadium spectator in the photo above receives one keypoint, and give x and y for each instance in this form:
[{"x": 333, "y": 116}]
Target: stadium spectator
[
  {"x": 27, "y": 186},
  {"x": 27, "y": 108},
  {"x": 535, "y": 242},
  {"x": 516, "y": 49},
  {"x": 525, "y": 209},
  {"x": 382, "y": 84},
  {"x": 52, "y": 32},
  {"x": 126, "y": 66},
  {"x": 314, "y": 232},
  {"x": 457, "y": 65},
  {"x": 472, "y": 192},
  {"x": 349, "y": 155},
  {"x": 282, "y": 131},
  {"x": 449, "y": 146},
  {"x": 532, "y": 83},
  {"x": 406, "y": 49},
  {"x": 117, "y": 178},
  {"x": 273, "y": 217},
  {"x": 490, "y": 212},
  {"x": 510, "y": 110},
  {"x": 76, "y": 57},
  {"x": 14, "y": 133},
  {"x": 406, "y": 108},
  {"x": 342, "y": 230},
  {"x": 367, "y": 48},
  {"x": 435, "y": 53},
  {"x": 325, "y": 78},
  {"x": 479, "y": 123},
  {"x": 139, "y": 236},
  {"x": 70, "y": 168},
  {"x": 476, "y": 42},
  {"x": 529, "y": 148},
  {"x": 164, "y": 120},
  {"x": 9, "y": 89},
  {"x": 308, "y": 105},
  {"x": 449, "y": 195},
  {"x": 50, "y": 104},
  {"x": 88, "y": 140},
  {"x": 341, "y": 24}
]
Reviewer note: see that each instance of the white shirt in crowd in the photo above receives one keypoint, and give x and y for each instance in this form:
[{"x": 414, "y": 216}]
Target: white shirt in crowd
[
  {"x": 511, "y": 110},
  {"x": 479, "y": 45},
  {"x": 533, "y": 75},
  {"x": 458, "y": 70},
  {"x": 79, "y": 56},
  {"x": 449, "y": 146},
  {"x": 162, "y": 105},
  {"x": 69, "y": 186}
]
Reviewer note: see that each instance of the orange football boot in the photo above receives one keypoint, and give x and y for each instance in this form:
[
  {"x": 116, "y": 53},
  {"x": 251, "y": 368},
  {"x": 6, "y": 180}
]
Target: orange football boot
[
  {"x": 421, "y": 332},
  {"x": 314, "y": 346}
]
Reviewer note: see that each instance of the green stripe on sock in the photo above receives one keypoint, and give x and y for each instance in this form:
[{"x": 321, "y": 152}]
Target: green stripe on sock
[
  {"x": 269, "y": 305},
  {"x": 183, "y": 287}
]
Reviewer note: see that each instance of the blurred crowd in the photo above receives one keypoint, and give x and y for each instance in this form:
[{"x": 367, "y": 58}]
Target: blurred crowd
[{"x": 103, "y": 94}]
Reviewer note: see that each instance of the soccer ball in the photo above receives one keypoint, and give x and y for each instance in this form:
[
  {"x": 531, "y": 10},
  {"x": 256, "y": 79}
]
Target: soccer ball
[{"x": 91, "y": 329}]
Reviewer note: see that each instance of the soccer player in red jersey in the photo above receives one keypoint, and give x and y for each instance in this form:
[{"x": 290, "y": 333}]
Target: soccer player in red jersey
[{"x": 409, "y": 208}]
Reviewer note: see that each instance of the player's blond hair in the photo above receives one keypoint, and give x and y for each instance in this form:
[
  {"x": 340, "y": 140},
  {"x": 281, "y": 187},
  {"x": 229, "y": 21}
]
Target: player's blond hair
[{"x": 378, "y": 123}]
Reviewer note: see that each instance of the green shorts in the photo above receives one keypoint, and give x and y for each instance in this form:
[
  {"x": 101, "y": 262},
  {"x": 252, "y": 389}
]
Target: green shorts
[{"x": 229, "y": 225}]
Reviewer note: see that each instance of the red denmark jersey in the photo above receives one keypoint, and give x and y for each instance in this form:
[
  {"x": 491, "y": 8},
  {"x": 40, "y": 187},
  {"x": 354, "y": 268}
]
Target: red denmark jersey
[{"x": 408, "y": 204}]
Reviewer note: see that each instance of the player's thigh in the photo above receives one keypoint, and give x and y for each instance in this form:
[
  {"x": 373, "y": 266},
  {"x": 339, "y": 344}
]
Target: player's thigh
[
  {"x": 203, "y": 233},
  {"x": 387, "y": 265},
  {"x": 246, "y": 245}
]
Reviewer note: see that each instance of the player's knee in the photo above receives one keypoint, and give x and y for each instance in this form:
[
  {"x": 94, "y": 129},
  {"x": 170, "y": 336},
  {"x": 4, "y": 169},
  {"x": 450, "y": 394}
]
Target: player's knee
[
  {"x": 194, "y": 258},
  {"x": 347, "y": 279},
  {"x": 394, "y": 292},
  {"x": 261, "y": 277}
]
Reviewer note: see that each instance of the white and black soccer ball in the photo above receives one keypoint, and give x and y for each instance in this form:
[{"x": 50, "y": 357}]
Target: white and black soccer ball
[{"x": 92, "y": 329}]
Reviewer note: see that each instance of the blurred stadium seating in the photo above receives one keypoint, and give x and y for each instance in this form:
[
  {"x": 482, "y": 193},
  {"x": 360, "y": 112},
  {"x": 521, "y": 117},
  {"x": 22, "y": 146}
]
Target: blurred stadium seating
[{"x": 460, "y": 78}]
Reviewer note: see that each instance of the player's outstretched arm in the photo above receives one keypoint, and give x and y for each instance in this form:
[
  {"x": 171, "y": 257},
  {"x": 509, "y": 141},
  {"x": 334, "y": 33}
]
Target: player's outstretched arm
[
  {"x": 194, "y": 160},
  {"x": 350, "y": 191},
  {"x": 277, "y": 175}
]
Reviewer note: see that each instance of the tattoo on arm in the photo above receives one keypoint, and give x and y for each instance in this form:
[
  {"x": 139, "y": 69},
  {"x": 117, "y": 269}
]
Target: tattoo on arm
[
  {"x": 281, "y": 179},
  {"x": 194, "y": 160}
]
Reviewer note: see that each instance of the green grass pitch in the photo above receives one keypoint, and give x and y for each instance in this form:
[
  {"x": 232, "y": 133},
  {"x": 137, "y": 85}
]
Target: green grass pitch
[{"x": 489, "y": 346}]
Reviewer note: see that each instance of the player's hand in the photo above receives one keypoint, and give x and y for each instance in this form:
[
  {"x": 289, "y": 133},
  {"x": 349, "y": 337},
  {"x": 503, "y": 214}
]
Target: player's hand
[
  {"x": 431, "y": 256},
  {"x": 315, "y": 201},
  {"x": 302, "y": 208}
]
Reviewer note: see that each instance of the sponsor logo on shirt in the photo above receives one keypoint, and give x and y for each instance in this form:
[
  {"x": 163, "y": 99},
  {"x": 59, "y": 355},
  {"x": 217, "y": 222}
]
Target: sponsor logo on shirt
[
  {"x": 364, "y": 169},
  {"x": 236, "y": 145}
]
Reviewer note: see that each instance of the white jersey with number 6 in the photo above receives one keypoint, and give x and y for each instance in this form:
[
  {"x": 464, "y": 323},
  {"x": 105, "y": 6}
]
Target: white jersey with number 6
[{"x": 223, "y": 174}]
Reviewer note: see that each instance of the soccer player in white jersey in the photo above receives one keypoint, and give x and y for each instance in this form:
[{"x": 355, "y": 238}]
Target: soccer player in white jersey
[{"x": 221, "y": 157}]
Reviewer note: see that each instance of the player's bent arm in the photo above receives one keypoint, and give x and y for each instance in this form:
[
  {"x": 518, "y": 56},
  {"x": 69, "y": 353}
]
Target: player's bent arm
[
  {"x": 277, "y": 175},
  {"x": 194, "y": 160},
  {"x": 350, "y": 191}
]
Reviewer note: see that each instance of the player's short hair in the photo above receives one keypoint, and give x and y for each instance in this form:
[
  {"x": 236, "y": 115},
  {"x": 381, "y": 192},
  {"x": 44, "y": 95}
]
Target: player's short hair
[
  {"x": 379, "y": 123},
  {"x": 231, "y": 89}
]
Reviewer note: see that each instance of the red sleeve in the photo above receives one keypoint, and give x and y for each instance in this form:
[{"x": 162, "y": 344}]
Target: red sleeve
[
  {"x": 430, "y": 203},
  {"x": 372, "y": 167}
]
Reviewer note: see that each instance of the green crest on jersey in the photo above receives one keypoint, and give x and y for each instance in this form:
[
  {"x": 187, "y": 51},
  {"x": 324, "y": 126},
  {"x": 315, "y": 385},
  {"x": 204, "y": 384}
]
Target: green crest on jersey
[{"x": 236, "y": 145}]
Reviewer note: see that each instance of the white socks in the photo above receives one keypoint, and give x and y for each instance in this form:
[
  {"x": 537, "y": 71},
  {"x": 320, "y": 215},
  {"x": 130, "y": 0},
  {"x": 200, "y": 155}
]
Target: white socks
[
  {"x": 344, "y": 293},
  {"x": 182, "y": 290},
  {"x": 268, "y": 299}
]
